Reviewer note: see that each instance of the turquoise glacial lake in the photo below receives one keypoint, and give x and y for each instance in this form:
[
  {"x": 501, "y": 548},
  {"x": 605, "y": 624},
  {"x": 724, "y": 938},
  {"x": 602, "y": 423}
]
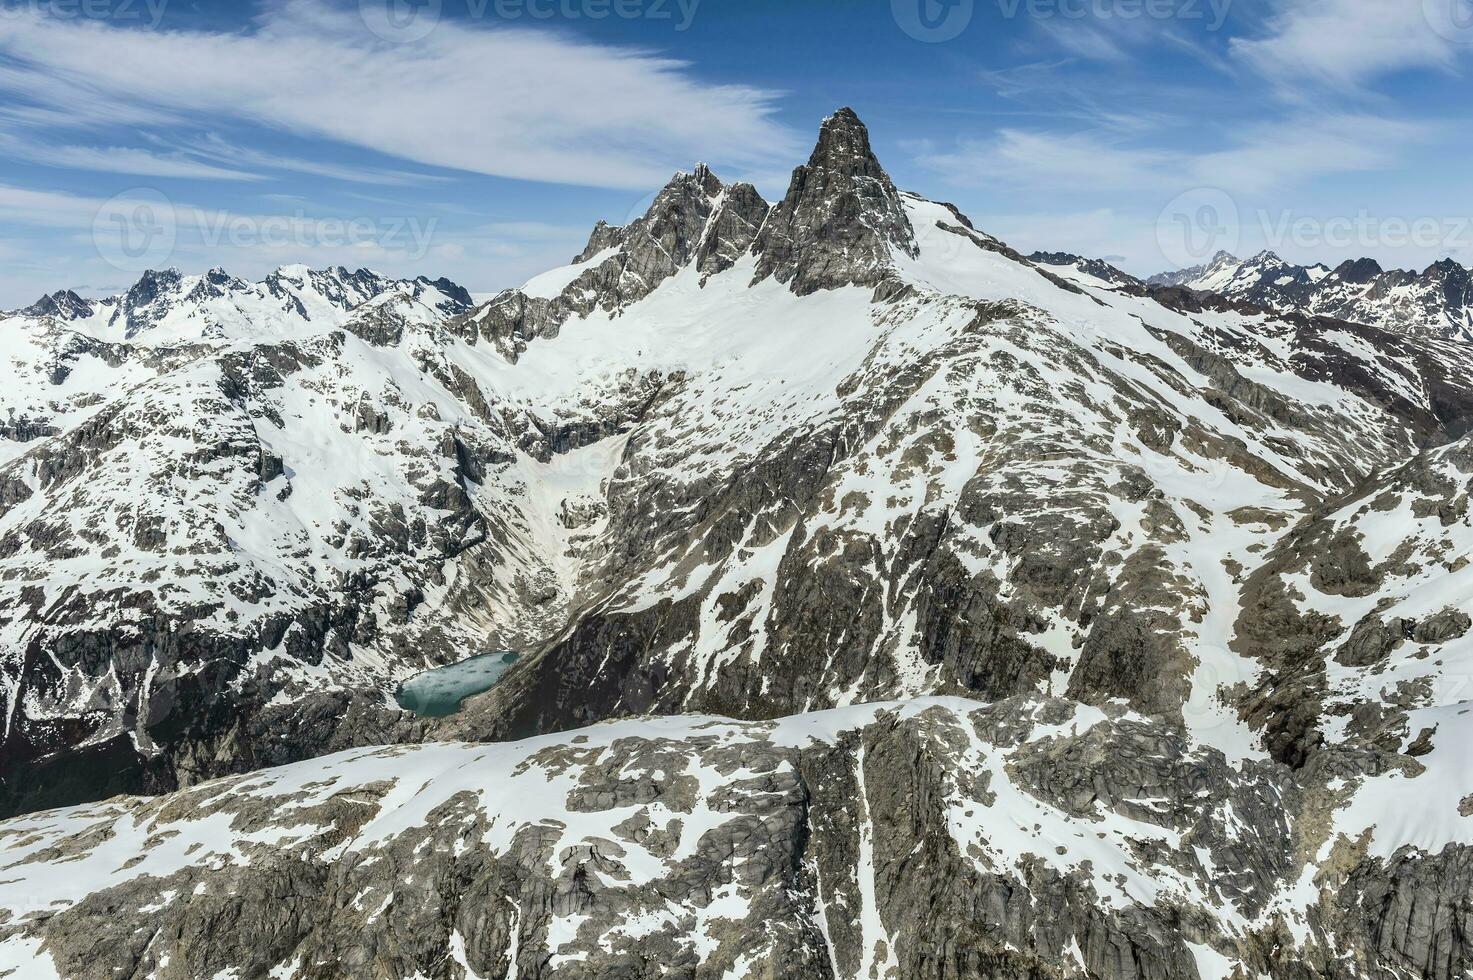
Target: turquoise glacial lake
[{"x": 437, "y": 693}]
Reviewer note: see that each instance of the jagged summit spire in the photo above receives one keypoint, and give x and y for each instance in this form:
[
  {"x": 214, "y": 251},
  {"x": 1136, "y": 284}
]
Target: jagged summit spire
[
  {"x": 707, "y": 180},
  {"x": 843, "y": 145},
  {"x": 685, "y": 193},
  {"x": 841, "y": 221}
]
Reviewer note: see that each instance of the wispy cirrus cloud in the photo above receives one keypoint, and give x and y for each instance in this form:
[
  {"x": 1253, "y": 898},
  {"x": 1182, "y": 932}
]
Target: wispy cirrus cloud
[
  {"x": 46, "y": 209},
  {"x": 1282, "y": 154},
  {"x": 510, "y": 102},
  {"x": 1342, "y": 44},
  {"x": 215, "y": 148},
  {"x": 116, "y": 159},
  {"x": 1077, "y": 161},
  {"x": 1256, "y": 158}
]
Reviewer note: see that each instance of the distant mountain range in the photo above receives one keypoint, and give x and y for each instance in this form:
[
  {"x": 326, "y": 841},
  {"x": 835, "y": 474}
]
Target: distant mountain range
[
  {"x": 1436, "y": 301},
  {"x": 168, "y": 304}
]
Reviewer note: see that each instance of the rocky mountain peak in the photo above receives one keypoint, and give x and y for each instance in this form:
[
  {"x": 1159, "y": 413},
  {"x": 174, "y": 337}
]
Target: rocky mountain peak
[
  {"x": 1190, "y": 276},
  {"x": 843, "y": 147},
  {"x": 677, "y": 205},
  {"x": 706, "y": 180},
  {"x": 64, "y": 304},
  {"x": 695, "y": 190},
  {"x": 215, "y": 284},
  {"x": 665, "y": 239},
  {"x": 454, "y": 291},
  {"x": 1358, "y": 271},
  {"x": 147, "y": 300},
  {"x": 1438, "y": 300},
  {"x": 339, "y": 287},
  {"x": 640, "y": 256},
  {"x": 1098, "y": 268},
  {"x": 1220, "y": 261},
  {"x": 296, "y": 271},
  {"x": 842, "y": 219},
  {"x": 1446, "y": 269},
  {"x": 152, "y": 283},
  {"x": 604, "y": 235}
]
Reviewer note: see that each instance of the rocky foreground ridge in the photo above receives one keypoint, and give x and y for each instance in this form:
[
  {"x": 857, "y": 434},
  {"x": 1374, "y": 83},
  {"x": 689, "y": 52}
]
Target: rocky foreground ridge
[{"x": 1074, "y": 626}]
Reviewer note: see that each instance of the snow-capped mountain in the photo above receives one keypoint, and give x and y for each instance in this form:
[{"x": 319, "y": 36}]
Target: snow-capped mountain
[
  {"x": 1070, "y": 627},
  {"x": 1437, "y": 301}
]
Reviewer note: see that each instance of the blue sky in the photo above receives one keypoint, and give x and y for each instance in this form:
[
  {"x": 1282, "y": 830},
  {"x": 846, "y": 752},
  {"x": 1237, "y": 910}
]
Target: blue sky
[{"x": 480, "y": 139}]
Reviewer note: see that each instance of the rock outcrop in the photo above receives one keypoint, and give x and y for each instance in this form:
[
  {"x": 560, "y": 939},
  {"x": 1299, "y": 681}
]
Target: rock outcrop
[
  {"x": 928, "y": 839},
  {"x": 841, "y": 221}
]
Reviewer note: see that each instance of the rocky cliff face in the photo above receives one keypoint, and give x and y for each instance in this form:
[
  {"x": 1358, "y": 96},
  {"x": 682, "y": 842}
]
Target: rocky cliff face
[
  {"x": 1359, "y": 614},
  {"x": 1162, "y": 595},
  {"x": 841, "y": 221},
  {"x": 937, "y": 838}
]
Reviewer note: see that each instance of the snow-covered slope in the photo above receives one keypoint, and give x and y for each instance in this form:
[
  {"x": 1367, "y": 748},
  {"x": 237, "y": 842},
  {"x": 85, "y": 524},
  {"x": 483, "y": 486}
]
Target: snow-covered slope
[
  {"x": 751, "y": 461},
  {"x": 1089, "y": 272}
]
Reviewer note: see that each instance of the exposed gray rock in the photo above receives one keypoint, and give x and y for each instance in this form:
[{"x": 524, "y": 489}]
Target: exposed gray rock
[
  {"x": 933, "y": 839},
  {"x": 62, "y": 304},
  {"x": 1097, "y": 268},
  {"x": 649, "y": 251},
  {"x": 604, "y": 236},
  {"x": 700, "y": 851},
  {"x": 731, "y": 230},
  {"x": 1450, "y": 624},
  {"x": 841, "y": 219}
]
